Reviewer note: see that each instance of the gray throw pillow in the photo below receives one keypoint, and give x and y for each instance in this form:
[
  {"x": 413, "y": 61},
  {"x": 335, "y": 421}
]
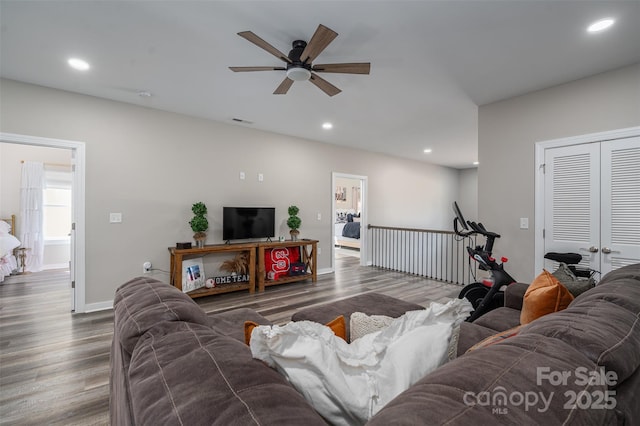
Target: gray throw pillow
[{"x": 575, "y": 285}]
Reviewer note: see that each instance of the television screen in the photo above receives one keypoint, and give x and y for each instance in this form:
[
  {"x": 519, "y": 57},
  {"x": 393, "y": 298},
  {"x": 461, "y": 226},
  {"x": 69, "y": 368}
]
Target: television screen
[{"x": 240, "y": 223}]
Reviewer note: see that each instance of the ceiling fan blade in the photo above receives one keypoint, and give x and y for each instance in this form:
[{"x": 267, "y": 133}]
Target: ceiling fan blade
[
  {"x": 319, "y": 41},
  {"x": 246, "y": 69},
  {"x": 264, "y": 45},
  {"x": 347, "y": 68},
  {"x": 324, "y": 85},
  {"x": 284, "y": 87}
]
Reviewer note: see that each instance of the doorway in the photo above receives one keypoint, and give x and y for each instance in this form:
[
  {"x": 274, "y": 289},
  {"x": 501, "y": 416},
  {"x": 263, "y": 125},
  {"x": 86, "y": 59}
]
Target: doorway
[
  {"x": 349, "y": 224},
  {"x": 77, "y": 207},
  {"x": 588, "y": 199}
]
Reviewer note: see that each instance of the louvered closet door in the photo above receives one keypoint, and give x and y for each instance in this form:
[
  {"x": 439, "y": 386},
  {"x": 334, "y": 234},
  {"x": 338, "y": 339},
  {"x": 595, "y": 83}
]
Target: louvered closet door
[
  {"x": 572, "y": 202},
  {"x": 620, "y": 235},
  {"x": 592, "y": 203}
]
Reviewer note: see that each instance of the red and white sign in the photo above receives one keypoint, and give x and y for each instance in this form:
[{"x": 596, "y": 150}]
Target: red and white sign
[{"x": 277, "y": 261}]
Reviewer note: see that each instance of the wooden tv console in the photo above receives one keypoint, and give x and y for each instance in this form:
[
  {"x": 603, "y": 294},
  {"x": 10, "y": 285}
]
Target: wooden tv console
[{"x": 257, "y": 272}]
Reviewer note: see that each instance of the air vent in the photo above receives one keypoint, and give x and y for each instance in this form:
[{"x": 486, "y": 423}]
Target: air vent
[{"x": 240, "y": 120}]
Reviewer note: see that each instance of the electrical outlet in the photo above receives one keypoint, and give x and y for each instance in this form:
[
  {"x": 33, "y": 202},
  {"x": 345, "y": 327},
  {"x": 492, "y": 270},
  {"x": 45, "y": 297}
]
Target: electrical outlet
[
  {"x": 319, "y": 251},
  {"x": 260, "y": 177},
  {"x": 146, "y": 267},
  {"x": 242, "y": 176},
  {"x": 319, "y": 216}
]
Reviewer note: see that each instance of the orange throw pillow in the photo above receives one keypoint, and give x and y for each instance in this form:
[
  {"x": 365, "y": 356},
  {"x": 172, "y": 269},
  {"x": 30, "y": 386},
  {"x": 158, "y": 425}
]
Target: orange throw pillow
[
  {"x": 338, "y": 326},
  {"x": 544, "y": 296}
]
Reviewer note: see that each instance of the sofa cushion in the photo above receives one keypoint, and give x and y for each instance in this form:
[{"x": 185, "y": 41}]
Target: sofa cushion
[
  {"x": 142, "y": 303},
  {"x": 470, "y": 334},
  {"x": 514, "y": 294},
  {"x": 496, "y": 338},
  {"x": 231, "y": 323},
  {"x": 500, "y": 319},
  {"x": 545, "y": 295},
  {"x": 490, "y": 386},
  {"x": 185, "y": 373},
  {"x": 604, "y": 332},
  {"x": 624, "y": 291}
]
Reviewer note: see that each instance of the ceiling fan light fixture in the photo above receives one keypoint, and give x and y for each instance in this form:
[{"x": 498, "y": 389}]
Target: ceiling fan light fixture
[{"x": 298, "y": 74}]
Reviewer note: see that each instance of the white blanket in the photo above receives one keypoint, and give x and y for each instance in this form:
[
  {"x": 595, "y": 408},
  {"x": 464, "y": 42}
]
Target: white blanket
[{"x": 349, "y": 383}]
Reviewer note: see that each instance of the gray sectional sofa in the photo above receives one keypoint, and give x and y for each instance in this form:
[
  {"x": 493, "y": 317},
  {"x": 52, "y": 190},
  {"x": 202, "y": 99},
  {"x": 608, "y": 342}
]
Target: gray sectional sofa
[{"x": 171, "y": 364}]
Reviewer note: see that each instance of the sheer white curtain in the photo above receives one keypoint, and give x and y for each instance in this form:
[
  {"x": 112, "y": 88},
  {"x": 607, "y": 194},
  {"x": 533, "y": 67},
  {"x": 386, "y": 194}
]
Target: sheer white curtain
[{"x": 31, "y": 200}]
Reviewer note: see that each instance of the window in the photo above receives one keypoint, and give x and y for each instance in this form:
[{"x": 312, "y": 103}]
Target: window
[{"x": 57, "y": 206}]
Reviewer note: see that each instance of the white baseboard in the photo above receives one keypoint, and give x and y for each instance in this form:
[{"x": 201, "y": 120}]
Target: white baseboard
[
  {"x": 325, "y": 271},
  {"x": 100, "y": 306},
  {"x": 56, "y": 266}
]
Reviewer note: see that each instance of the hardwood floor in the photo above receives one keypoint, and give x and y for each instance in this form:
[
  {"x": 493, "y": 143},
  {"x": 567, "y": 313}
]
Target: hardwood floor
[{"x": 54, "y": 365}]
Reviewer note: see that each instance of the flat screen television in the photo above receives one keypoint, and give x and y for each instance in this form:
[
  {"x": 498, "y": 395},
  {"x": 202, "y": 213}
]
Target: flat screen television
[{"x": 239, "y": 223}]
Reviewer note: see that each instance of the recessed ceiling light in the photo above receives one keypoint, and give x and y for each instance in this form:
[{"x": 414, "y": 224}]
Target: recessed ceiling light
[
  {"x": 144, "y": 94},
  {"x": 327, "y": 126},
  {"x": 78, "y": 64},
  {"x": 427, "y": 151},
  {"x": 600, "y": 25},
  {"x": 475, "y": 163}
]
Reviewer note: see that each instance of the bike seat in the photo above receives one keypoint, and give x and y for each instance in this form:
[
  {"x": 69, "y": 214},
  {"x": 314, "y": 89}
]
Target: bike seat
[{"x": 568, "y": 258}]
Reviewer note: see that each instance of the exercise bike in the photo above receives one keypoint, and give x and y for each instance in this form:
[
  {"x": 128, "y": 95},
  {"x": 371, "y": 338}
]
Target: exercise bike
[{"x": 486, "y": 295}]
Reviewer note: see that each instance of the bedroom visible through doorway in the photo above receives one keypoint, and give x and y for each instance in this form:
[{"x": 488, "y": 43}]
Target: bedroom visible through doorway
[
  {"x": 61, "y": 166},
  {"x": 349, "y": 217}
]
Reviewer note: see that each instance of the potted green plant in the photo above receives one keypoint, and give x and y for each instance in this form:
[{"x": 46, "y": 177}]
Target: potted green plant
[
  {"x": 294, "y": 222},
  {"x": 199, "y": 223}
]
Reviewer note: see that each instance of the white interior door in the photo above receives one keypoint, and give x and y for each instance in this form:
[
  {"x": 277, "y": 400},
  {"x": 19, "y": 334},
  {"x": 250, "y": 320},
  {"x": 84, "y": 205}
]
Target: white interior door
[
  {"x": 592, "y": 202},
  {"x": 72, "y": 233},
  {"x": 620, "y": 236}
]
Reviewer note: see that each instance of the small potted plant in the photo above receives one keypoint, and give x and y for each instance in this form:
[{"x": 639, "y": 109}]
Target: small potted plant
[
  {"x": 199, "y": 223},
  {"x": 294, "y": 222}
]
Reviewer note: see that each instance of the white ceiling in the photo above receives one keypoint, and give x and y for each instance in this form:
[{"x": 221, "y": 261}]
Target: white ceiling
[{"x": 432, "y": 62}]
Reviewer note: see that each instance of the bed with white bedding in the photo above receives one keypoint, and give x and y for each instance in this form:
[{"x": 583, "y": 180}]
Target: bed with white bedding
[
  {"x": 8, "y": 243},
  {"x": 347, "y": 229}
]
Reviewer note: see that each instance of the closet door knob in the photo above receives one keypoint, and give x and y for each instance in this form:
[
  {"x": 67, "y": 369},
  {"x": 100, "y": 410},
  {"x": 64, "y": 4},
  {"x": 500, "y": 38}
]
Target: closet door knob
[{"x": 591, "y": 249}]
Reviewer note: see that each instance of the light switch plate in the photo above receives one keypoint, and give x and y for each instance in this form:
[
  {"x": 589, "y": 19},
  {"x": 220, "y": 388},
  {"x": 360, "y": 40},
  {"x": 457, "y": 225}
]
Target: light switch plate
[
  {"x": 115, "y": 217},
  {"x": 524, "y": 223}
]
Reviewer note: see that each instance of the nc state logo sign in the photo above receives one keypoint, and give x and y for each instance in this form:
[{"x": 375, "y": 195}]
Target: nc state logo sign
[{"x": 280, "y": 259}]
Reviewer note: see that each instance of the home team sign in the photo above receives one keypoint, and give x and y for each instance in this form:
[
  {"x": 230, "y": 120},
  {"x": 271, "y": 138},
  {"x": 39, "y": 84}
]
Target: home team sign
[{"x": 230, "y": 279}]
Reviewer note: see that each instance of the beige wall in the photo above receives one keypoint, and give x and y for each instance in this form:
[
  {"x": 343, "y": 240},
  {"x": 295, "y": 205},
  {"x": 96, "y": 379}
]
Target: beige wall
[
  {"x": 468, "y": 200},
  {"x": 152, "y": 165},
  {"x": 508, "y": 131}
]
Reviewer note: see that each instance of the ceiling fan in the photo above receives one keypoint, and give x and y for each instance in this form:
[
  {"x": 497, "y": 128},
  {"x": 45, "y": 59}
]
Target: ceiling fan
[{"x": 299, "y": 61}]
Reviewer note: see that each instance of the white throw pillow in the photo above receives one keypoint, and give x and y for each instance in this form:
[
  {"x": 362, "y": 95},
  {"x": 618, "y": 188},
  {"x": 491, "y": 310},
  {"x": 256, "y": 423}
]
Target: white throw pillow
[
  {"x": 349, "y": 383},
  {"x": 361, "y": 324},
  {"x": 5, "y": 228},
  {"x": 7, "y": 244}
]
